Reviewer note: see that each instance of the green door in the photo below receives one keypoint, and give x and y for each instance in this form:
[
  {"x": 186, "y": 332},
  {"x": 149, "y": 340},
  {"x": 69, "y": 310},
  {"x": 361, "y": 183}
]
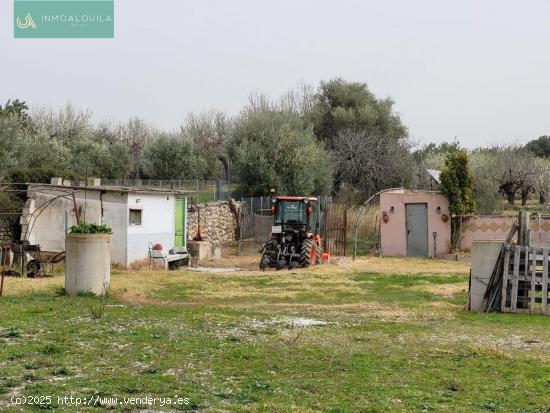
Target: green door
[{"x": 181, "y": 223}]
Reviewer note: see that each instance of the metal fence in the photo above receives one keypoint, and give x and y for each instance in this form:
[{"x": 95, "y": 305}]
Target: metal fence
[
  {"x": 334, "y": 228},
  {"x": 199, "y": 190},
  {"x": 256, "y": 219}
]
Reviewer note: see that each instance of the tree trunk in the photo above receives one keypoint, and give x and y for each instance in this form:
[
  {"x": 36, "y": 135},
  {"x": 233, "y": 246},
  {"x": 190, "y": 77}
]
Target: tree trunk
[
  {"x": 225, "y": 164},
  {"x": 524, "y": 196},
  {"x": 508, "y": 190},
  {"x": 511, "y": 196},
  {"x": 456, "y": 232}
]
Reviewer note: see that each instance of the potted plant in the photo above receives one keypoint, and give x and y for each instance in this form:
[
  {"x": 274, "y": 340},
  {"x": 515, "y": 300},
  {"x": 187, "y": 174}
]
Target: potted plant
[{"x": 88, "y": 259}]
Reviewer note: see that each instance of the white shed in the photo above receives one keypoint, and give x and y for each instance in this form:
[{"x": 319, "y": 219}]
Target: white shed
[{"x": 137, "y": 216}]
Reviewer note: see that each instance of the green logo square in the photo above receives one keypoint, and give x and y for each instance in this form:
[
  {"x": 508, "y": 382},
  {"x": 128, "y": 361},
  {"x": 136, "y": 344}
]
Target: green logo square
[{"x": 47, "y": 19}]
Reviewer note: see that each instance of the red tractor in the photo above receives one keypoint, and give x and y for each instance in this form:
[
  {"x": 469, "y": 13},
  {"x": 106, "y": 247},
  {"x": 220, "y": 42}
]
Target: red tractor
[{"x": 295, "y": 236}]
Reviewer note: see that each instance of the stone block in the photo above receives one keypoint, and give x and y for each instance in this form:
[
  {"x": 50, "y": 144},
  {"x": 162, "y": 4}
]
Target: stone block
[
  {"x": 200, "y": 249},
  {"x": 56, "y": 181}
]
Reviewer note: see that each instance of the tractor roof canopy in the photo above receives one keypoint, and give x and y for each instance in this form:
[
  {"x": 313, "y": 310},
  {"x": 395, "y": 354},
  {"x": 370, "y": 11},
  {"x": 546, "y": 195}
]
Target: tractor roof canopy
[{"x": 295, "y": 198}]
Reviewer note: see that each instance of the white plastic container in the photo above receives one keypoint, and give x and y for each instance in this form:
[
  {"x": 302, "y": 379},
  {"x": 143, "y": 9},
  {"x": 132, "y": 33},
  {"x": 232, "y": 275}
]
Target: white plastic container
[{"x": 87, "y": 263}]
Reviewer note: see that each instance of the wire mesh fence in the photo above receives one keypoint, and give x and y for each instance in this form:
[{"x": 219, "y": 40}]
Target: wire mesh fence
[
  {"x": 199, "y": 190},
  {"x": 256, "y": 219}
]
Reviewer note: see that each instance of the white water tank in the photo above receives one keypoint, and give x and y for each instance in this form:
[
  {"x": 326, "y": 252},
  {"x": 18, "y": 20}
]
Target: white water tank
[{"x": 87, "y": 263}]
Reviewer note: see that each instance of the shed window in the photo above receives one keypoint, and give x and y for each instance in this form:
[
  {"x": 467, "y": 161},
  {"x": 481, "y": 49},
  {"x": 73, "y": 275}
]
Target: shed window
[{"x": 135, "y": 216}]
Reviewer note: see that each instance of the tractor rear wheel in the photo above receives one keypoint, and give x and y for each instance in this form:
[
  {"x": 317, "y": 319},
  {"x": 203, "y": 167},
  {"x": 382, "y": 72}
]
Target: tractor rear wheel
[{"x": 309, "y": 253}]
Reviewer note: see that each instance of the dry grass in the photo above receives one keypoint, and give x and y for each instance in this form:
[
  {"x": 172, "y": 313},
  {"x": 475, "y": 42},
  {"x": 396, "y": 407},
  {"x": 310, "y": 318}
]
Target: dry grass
[
  {"x": 385, "y": 265},
  {"x": 283, "y": 285},
  {"x": 333, "y": 284},
  {"x": 21, "y": 286},
  {"x": 443, "y": 290}
]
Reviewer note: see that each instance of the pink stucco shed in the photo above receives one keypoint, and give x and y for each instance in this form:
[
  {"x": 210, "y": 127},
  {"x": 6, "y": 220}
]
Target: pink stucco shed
[{"x": 393, "y": 221}]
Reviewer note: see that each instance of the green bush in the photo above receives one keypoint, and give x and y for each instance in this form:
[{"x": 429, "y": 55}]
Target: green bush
[{"x": 85, "y": 228}]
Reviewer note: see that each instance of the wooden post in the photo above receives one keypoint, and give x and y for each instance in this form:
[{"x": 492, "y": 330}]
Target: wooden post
[
  {"x": 515, "y": 279},
  {"x": 533, "y": 280},
  {"x": 520, "y": 225},
  {"x": 523, "y": 234},
  {"x": 544, "y": 301},
  {"x": 505, "y": 277}
]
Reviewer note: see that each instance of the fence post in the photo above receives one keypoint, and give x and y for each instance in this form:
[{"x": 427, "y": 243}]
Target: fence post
[
  {"x": 241, "y": 213},
  {"x": 523, "y": 234},
  {"x": 533, "y": 279},
  {"x": 544, "y": 300},
  {"x": 218, "y": 190},
  {"x": 252, "y": 210}
]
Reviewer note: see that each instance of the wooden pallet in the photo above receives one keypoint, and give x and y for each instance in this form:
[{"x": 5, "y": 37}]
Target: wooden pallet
[{"x": 525, "y": 280}]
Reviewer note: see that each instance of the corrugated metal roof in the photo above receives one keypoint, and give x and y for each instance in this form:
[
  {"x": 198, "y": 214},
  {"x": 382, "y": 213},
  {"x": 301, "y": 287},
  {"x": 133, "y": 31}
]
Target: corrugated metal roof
[
  {"x": 125, "y": 189},
  {"x": 435, "y": 174}
]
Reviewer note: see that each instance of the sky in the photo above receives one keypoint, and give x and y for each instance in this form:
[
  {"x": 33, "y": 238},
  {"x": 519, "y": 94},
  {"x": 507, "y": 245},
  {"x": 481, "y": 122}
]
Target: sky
[{"x": 474, "y": 70}]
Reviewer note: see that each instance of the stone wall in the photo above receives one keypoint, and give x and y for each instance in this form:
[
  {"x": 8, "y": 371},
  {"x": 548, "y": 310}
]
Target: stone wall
[
  {"x": 6, "y": 232},
  {"x": 218, "y": 220}
]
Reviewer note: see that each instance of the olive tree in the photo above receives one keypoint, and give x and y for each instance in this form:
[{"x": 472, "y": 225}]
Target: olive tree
[
  {"x": 539, "y": 147},
  {"x": 40, "y": 151},
  {"x": 172, "y": 156},
  {"x": 542, "y": 185},
  {"x": 276, "y": 149},
  {"x": 67, "y": 125},
  {"x": 136, "y": 134},
  {"x": 209, "y": 131},
  {"x": 19, "y": 111},
  {"x": 10, "y": 131},
  {"x": 515, "y": 171},
  {"x": 368, "y": 142},
  {"x": 342, "y": 105}
]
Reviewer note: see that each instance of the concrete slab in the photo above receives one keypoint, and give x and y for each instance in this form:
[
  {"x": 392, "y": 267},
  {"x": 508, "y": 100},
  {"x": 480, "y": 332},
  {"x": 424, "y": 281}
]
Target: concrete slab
[{"x": 216, "y": 252}]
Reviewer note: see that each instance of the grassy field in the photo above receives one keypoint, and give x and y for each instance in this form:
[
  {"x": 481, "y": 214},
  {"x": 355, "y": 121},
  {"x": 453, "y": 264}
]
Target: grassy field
[{"x": 366, "y": 336}]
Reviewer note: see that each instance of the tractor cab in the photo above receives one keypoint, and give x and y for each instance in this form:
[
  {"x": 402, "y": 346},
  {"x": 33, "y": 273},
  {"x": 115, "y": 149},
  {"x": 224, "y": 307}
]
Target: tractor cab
[
  {"x": 295, "y": 235},
  {"x": 298, "y": 213}
]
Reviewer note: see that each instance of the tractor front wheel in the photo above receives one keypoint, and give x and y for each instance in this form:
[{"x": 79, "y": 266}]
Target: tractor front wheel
[{"x": 309, "y": 253}]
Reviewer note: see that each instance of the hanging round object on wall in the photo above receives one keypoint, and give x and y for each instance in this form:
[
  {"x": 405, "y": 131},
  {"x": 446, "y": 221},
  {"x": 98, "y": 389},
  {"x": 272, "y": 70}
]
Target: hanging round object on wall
[{"x": 385, "y": 217}]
